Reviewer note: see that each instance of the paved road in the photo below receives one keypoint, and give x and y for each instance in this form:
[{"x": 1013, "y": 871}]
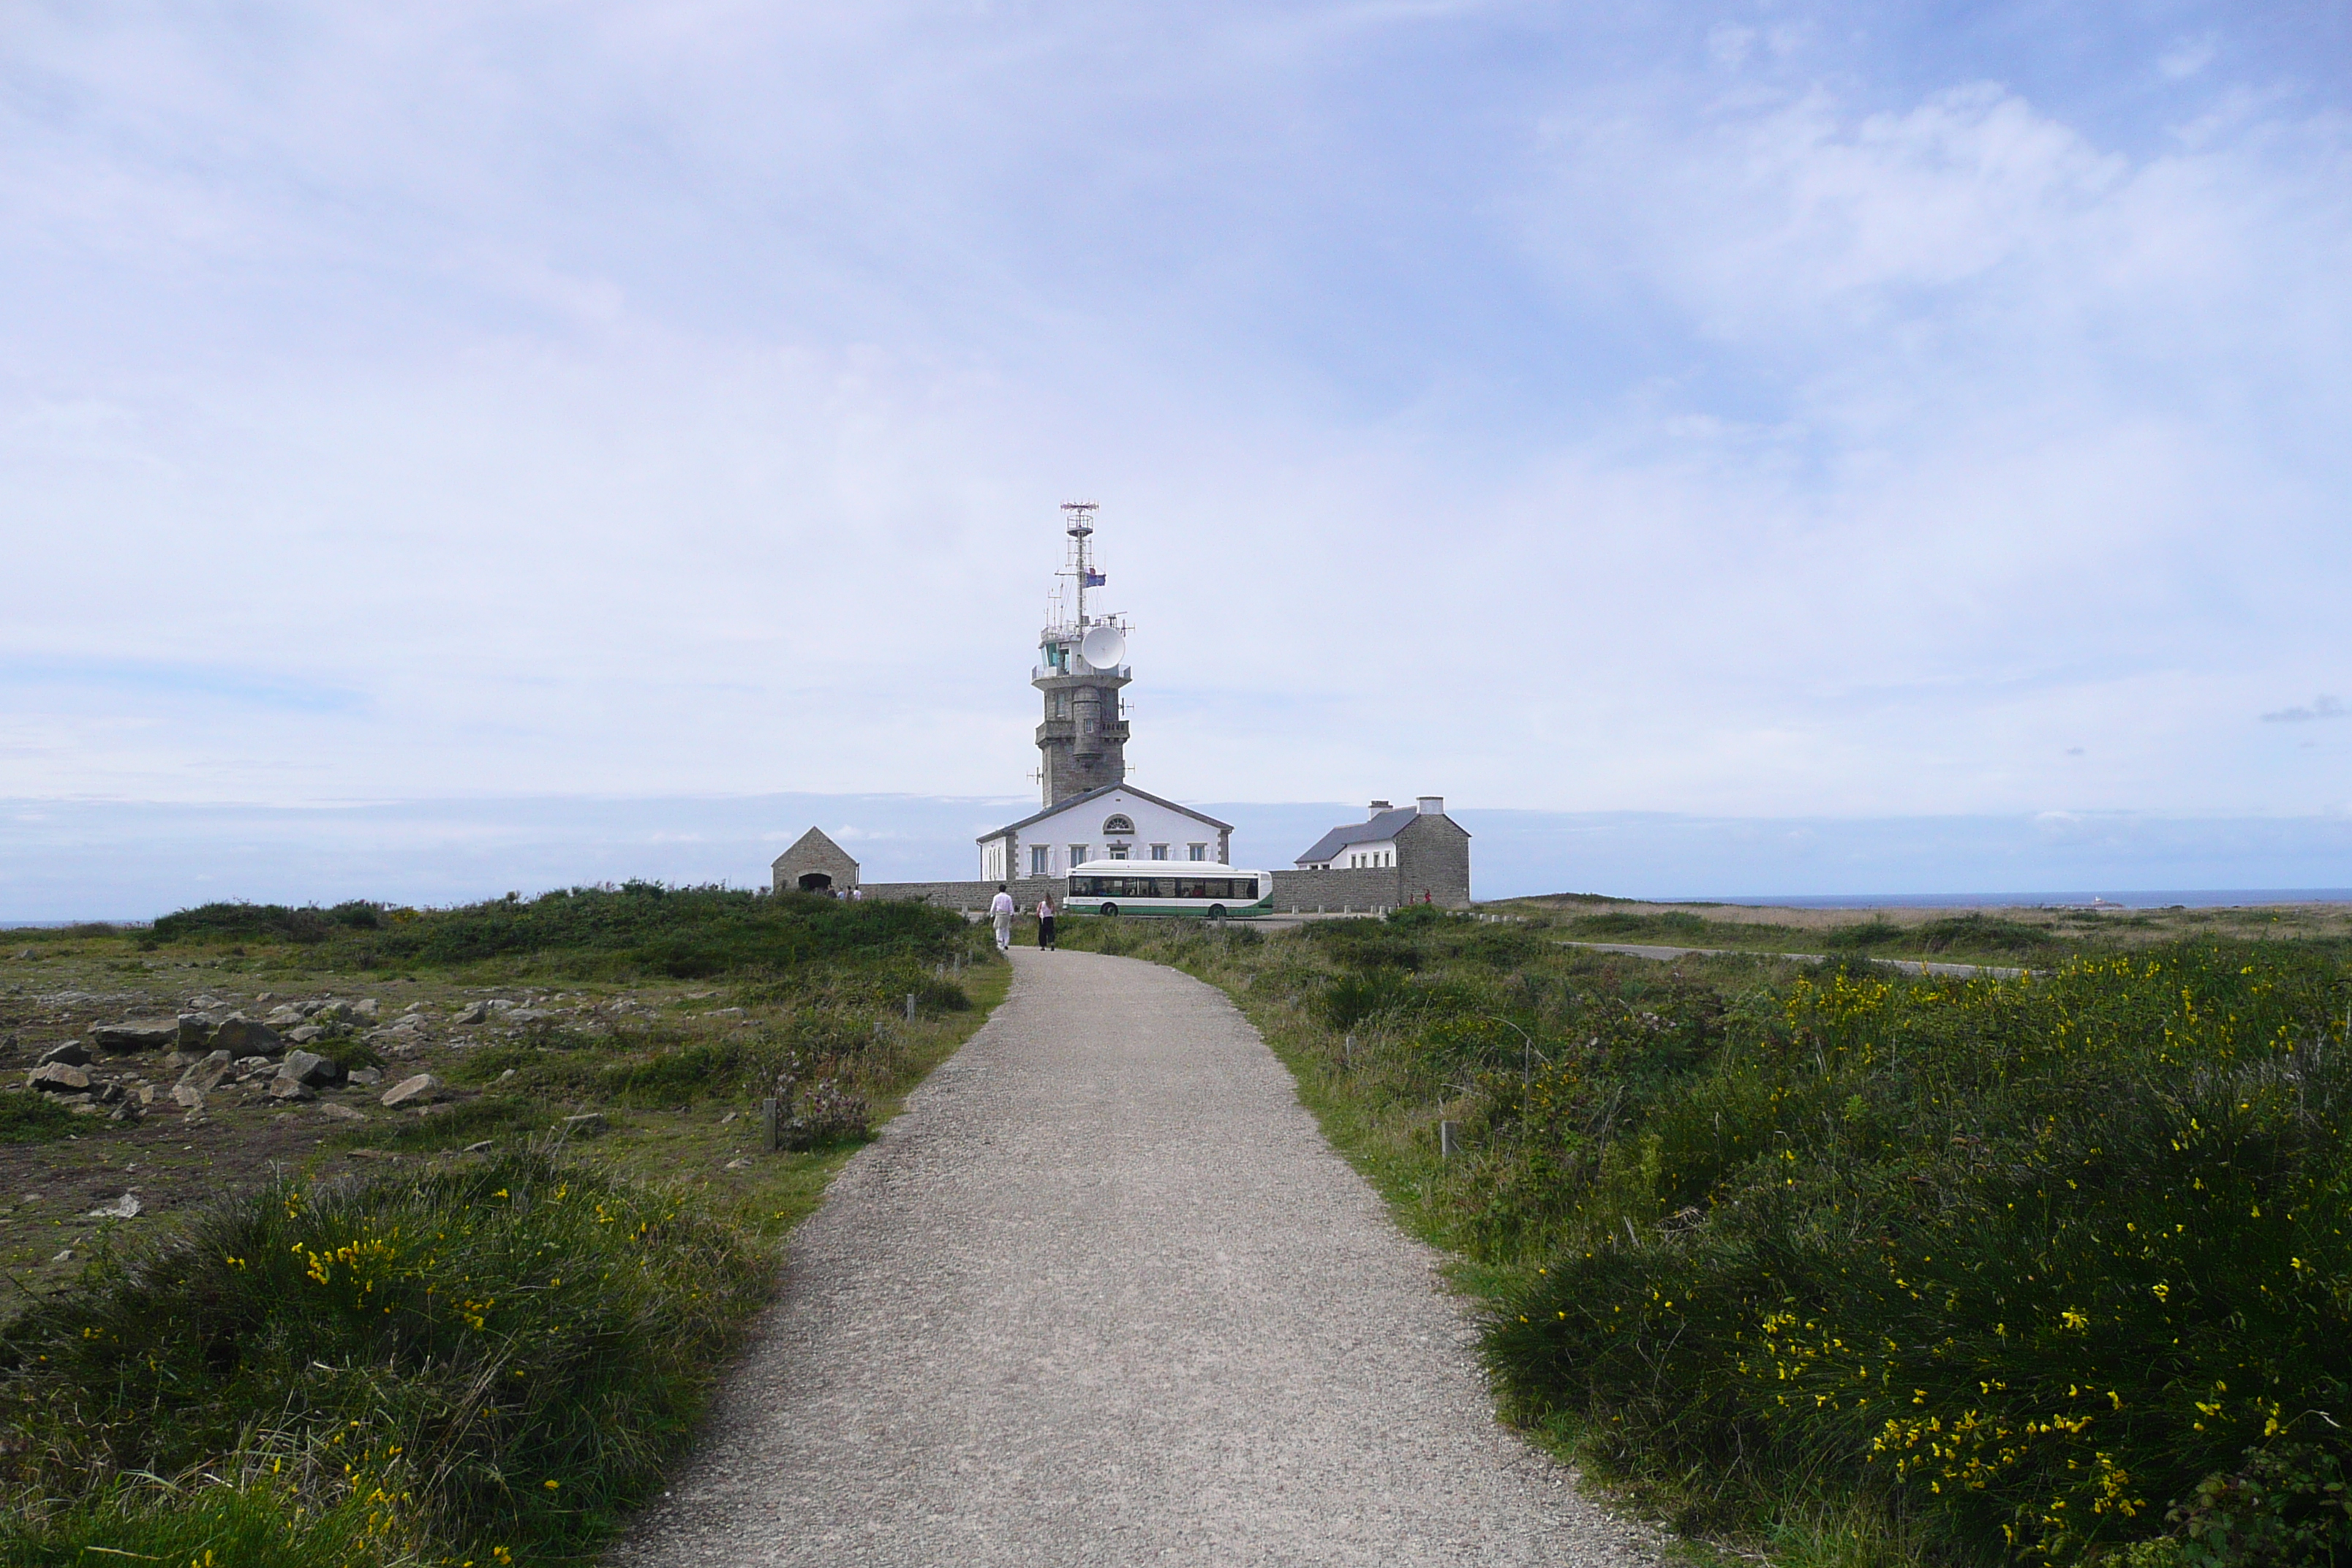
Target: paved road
[
  {"x": 1907, "y": 966},
  {"x": 1102, "y": 1294}
]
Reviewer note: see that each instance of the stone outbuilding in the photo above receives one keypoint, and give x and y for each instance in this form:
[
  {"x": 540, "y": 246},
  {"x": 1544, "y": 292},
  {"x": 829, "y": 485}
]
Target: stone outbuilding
[
  {"x": 1408, "y": 855},
  {"x": 814, "y": 865}
]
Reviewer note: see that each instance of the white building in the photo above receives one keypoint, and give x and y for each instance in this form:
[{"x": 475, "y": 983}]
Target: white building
[
  {"x": 1116, "y": 822},
  {"x": 1366, "y": 845}
]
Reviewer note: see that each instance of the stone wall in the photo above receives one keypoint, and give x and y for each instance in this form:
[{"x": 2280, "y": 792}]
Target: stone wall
[
  {"x": 1025, "y": 891},
  {"x": 1335, "y": 893}
]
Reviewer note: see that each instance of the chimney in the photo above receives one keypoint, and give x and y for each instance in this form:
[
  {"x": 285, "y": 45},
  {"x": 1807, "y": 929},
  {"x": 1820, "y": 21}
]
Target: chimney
[
  {"x": 1378, "y": 806},
  {"x": 1431, "y": 804}
]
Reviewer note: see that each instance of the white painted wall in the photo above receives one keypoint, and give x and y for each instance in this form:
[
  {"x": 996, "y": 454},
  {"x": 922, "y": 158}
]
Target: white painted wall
[{"x": 1083, "y": 825}]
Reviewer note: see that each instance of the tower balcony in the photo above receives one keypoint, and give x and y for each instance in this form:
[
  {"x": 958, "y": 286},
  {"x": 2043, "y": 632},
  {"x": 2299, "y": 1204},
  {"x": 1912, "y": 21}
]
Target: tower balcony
[{"x": 1048, "y": 677}]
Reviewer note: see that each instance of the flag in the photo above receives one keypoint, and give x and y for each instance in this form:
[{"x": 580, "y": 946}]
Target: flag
[{"x": 1096, "y": 578}]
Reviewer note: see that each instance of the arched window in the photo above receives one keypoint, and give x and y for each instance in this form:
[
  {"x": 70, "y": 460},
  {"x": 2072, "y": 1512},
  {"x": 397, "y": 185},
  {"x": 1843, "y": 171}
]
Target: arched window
[{"x": 1112, "y": 825}]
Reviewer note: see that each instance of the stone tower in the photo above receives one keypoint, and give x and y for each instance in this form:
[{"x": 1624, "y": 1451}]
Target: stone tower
[{"x": 1082, "y": 743}]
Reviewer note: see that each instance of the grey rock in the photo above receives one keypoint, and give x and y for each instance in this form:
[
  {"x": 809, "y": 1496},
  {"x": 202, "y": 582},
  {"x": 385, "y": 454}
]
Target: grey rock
[
  {"x": 419, "y": 1090},
  {"x": 137, "y": 1035},
  {"x": 529, "y": 1016},
  {"x": 187, "y": 1097},
  {"x": 195, "y": 1029},
  {"x": 243, "y": 1036},
  {"x": 245, "y": 1066},
  {"x": 127, "y": 1206},
  {"x": 285, "y": 1017},
  {"x": 128, "y": 1110},
  {"x": 371, "y": 1076},
  {"x": 366, "y": 1008},
  {"x": 73, "y": 1053},
  {"x": 291, "y": 1088},
  {"x": 474, "y": 1014},
  {"x": 108, "y": 1093},
  {"x": 303, "y": 1035},
  {"x": 341, "y": 1112},
  {"x": 58, "y": 1077},
  {"x": 309, "y": 1066},
  {"x": 206, "y": 1074}
]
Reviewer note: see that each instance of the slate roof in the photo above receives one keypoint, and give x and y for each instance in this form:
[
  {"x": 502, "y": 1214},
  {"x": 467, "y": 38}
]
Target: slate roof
[
  {"x": 1098, "y": 795},
  {"x": 1376, "y": 830}
]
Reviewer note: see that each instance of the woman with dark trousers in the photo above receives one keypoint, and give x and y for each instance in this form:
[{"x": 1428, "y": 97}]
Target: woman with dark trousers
[{"x": 1044, "y": 924}]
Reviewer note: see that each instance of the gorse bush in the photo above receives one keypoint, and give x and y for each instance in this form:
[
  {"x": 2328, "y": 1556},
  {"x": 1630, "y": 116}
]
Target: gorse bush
[
  {"x": 238, "y": 921},
  {"x": 2033, "y": 1258},
  {"x": 488, "y": 1359}
]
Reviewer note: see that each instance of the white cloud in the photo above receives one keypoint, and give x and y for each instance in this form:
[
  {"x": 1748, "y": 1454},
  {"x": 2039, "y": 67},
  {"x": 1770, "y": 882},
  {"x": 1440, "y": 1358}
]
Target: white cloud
[{"x": 677, "y": 399}]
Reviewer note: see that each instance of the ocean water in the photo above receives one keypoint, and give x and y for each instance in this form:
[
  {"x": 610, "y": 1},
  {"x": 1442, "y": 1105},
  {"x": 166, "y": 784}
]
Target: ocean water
[{"x": 2188, "y": 898}]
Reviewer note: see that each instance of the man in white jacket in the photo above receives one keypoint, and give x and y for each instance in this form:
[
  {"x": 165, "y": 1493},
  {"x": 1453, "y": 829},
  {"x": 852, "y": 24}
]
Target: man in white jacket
[{"x": 1000, "y": 910}]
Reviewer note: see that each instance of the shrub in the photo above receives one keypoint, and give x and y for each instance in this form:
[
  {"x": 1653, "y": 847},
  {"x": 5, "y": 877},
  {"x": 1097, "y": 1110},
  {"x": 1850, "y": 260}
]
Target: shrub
[
  {"x": 29, "y": 1117},
  {"x": 2031, "y": 1257},
  {"x": 479, "y": 1359}
]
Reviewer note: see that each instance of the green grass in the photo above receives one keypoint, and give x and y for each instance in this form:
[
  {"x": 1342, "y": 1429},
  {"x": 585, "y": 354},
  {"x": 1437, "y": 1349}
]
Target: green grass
[
  {"x": 1851, "y": 1268},
  {"x": 453, "y": 1358},
  {"x": 500, "y": 1353}
]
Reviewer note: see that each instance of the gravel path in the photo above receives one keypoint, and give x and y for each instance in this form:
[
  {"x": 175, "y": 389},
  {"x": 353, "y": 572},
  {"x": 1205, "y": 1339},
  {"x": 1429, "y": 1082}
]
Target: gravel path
[{"x": 1102, "y": 1294}]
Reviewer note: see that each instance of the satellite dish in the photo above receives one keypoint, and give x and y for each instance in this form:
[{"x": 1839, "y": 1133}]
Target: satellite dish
[{"x": 1103, "y": 647}]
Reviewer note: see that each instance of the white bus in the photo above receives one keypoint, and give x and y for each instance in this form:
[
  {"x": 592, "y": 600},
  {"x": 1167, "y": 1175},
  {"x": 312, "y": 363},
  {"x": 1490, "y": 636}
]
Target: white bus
[{"x": 1166, "y": 888}]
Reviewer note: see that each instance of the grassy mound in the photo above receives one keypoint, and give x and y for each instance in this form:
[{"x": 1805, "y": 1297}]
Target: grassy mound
[
  {"x": 640, "y": 928},
  {"x": 490, "y": 1360}
]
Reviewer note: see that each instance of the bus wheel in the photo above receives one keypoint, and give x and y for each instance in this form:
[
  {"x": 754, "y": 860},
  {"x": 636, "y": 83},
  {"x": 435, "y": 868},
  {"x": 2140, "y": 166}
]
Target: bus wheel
[
  {"x": 1216, "y": 912},
  {"x": 1110, "y": 909}
]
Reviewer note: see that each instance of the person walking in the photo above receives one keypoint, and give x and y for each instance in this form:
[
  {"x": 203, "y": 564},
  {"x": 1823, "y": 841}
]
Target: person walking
[
  {"x": 1045, "y": 923},
  {"x": 1000, "y": 910}
]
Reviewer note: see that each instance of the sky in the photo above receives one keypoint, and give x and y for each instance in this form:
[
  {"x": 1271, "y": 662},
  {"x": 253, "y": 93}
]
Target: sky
[{"x": 1813, "y": 412}]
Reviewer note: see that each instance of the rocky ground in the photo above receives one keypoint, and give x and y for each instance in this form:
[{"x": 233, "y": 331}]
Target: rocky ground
[{"x": 195, "y": 1079}]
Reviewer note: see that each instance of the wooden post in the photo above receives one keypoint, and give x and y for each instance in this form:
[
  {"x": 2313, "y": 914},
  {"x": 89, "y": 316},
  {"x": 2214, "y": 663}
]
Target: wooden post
[
  {"x": 1446, "y": 1146},
  {"x": 768, "y": 1119},
  {"x": 910, "y": 1007}
]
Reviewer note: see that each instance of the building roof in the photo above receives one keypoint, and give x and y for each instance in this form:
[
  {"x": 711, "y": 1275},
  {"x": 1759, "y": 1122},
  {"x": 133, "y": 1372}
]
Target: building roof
[
  {"x": 1376, "y": 830},
  {"x": 1077, "y": 800},
  {"x": 813, "y": 841}
]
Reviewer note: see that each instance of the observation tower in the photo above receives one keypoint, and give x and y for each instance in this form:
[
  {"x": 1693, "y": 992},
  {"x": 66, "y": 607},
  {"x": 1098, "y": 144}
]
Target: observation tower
[{"x": 1082, "y": 743}]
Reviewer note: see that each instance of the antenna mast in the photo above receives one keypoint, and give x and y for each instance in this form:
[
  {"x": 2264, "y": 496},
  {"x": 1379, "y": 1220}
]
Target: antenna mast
[{"x": 1080, "y": 527}]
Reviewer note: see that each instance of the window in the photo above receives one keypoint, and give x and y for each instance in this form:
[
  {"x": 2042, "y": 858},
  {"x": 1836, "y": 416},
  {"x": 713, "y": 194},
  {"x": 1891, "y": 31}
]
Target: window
[
  {"x": 1196, "y": 852},
  {"x": 1078, "y": 853},
  {"x": 1224, "y": 889},
  {"x": 1040, "y": 859},
  {"x": 1118, "y": 851},
  {"x": 1116, "y": 825},
  {"x": 1160, "y": 852}
]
